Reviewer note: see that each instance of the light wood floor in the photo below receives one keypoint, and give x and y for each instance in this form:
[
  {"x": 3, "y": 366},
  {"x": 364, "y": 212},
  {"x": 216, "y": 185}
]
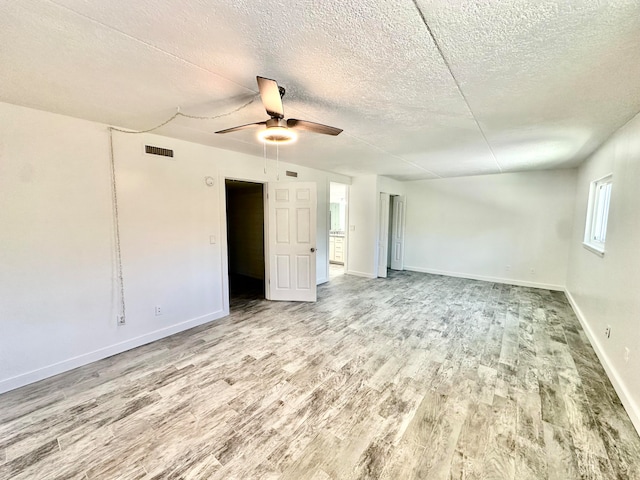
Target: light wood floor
[{"x": 414, "y": 376}]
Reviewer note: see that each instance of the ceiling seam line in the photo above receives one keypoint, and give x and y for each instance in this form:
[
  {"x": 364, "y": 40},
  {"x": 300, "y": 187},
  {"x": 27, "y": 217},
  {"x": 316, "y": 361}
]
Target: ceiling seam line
[
  {"x": 455, "y": 80},
  {"x": 147, "y": 44}
]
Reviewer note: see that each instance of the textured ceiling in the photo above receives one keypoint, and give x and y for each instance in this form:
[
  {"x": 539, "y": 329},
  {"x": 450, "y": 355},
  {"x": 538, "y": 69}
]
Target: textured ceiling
[{"x": 490, "y": 86}]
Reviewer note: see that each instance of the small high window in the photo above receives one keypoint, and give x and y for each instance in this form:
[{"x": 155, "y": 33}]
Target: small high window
[{"x": 595, "y": 230}]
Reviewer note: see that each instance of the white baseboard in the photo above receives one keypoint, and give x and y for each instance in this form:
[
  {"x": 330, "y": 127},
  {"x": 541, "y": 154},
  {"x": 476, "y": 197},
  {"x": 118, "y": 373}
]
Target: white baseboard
[
  {"x": 360, "y": 274},
  {"x": 621, "y": 389},
  {"x": 75, "y": 362},
  {"x": 508, "y": 281}
]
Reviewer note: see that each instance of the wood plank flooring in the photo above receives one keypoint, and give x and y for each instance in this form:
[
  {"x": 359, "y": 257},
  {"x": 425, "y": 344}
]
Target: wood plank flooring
[{"x": 412, "y": 377}]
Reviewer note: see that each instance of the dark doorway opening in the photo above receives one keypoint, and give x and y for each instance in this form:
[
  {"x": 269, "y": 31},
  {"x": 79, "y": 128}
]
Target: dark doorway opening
[{"x": 245, "y": 240}]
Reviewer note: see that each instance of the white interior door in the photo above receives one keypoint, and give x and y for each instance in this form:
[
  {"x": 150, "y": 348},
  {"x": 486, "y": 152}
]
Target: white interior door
[
  {"x": 397, "y": 233},
  {"x": 383, "y": 235},
  {"x": 292, "y": 241}
]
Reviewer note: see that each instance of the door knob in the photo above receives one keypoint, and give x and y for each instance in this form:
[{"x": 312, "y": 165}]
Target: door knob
[{"x": 313, "y": 249}]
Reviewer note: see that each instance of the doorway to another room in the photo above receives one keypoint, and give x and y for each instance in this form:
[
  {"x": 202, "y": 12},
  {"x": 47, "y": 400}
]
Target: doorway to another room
[
  {"x": 245, "y": 241},
  {"x": 391, "y": 234},
  {"x": 338, "y": 212}
]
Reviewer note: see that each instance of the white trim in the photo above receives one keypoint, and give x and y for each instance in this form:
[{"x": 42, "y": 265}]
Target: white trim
[
  {"x": 86, "y": 358},
  {"x": 604, "y": 177},
  {"x": 328, "y": 226},
  {"x": 224, "y": 251},
  {"x": 594, "y": 249},
  {"x": 346, "y": 227},
  {"x": 321, "y": 281},
  {"x": 508, "y": 281},
  {"x": 621, "y": 389},
  {"x": 382, "y": 244},
  {"x": 224, "y": 248},
  {"x": 593, "y": 202},
  {"x": 265, "y": 229},
  {"x": 402, "y": 218},
  {"x": 360, "y": 274}
]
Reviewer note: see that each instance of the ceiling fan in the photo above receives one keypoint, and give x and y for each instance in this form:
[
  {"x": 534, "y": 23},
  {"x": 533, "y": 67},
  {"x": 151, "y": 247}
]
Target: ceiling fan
[{"x": 278, "y": 130}]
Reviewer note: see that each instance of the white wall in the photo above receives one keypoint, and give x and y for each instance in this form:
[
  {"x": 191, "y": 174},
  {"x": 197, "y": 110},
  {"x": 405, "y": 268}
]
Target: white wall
[
  {"x": 56, "y": 265},
  {"x": 363, "y": 207},
  {"x": 58, "y": 295},
  {"x": 606, "y": 290},
  {"x": 474, "y": 227}
]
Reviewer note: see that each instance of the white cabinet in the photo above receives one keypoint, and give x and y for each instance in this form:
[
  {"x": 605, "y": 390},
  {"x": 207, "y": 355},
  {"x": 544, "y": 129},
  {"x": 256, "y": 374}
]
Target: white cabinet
[{"x": 336, "y": 249}]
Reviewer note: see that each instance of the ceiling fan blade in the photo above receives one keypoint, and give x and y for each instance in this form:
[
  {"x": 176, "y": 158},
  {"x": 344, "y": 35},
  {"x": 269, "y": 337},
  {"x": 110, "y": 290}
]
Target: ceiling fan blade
[
  {"x": 271, "y": 99},
  {"x": 241, "y": 127},
  {"x": 313, "y": 127}
]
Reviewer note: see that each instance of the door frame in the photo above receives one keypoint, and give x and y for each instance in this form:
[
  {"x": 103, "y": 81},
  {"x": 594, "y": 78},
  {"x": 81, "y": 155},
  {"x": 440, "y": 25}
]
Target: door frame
[
  {"x": 398, "y": 220},
  {"x": 224, "y": 247},
  {"x": 389, "y": 228},
  {"x": 384, "y": 202},
  {"x": 346, "y": 226}
]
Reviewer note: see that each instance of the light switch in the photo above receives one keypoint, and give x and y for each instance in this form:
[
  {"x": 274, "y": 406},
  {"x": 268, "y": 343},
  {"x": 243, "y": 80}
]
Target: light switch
[
  {"x": 212, "y": 239},
  {"x": 352, "y": 228}
]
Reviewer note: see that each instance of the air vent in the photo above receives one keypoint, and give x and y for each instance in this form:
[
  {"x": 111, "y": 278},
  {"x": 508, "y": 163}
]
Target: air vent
[
  {"x": 163, "y": 152},
  {"x": 292, "y": 174}
]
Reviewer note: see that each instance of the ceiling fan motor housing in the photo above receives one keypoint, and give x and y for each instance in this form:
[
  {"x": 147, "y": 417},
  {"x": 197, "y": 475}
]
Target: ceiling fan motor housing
[
  {"x": 276, "y": 122},
  {"x": 278, "y": 129}
]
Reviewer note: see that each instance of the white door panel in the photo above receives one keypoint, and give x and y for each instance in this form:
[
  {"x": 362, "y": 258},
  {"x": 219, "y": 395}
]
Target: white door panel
[
  {"x": 291, "y": 241},
  {"x": 383, "y": 235},
  {"x": 397, "y": 233},
  {"x": 304, "y": 269}
]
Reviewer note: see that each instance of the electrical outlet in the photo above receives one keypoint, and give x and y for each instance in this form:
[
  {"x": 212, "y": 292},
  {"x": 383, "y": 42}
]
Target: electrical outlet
[
  {"x": 158, "y": 310},
  {"x": 627, "y": 354},
  {"x": 121, "y": 320},
  {"x": 607, "y": 331},
  {"x": 533, "y": 271},
  {"x": 507, "y": 268}
]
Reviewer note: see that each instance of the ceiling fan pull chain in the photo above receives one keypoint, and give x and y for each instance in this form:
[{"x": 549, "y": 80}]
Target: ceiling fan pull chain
[
  {"x": 277, "y": 162},
  {"x": 264, "y": 151}
]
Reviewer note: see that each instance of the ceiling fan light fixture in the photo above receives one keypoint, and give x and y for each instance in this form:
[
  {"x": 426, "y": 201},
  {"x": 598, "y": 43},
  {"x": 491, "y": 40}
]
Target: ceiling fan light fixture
[
  {"x": 278, "y": 135},
  {"x": 280, "y": 130}
]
